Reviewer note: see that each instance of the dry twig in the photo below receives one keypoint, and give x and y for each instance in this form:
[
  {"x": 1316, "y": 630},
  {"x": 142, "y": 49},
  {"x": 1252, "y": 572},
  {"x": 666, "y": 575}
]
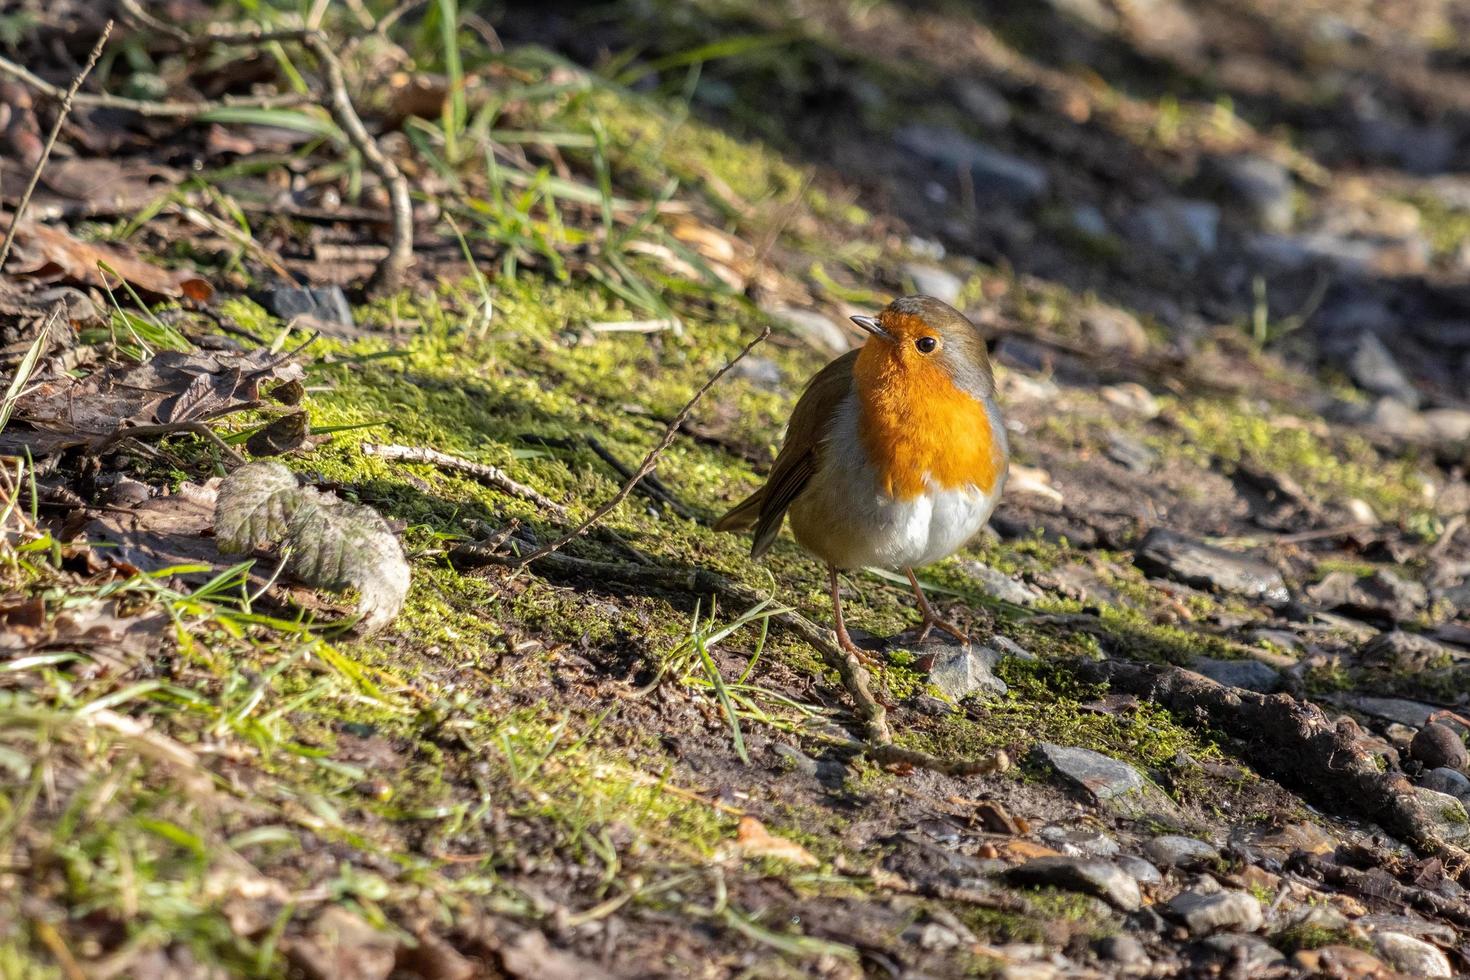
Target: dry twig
[
  {"x": 61, "y": 113},
  {"x": 485, "y": 473},
  {"x": 649, "y": 461}
]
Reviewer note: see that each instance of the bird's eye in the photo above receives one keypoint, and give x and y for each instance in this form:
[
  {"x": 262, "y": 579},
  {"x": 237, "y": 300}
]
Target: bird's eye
[{"x": 926, "y": 345}]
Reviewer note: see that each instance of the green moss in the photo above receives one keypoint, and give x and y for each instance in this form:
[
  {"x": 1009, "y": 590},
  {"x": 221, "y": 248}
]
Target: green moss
[{"x": 1346, "y": 467}]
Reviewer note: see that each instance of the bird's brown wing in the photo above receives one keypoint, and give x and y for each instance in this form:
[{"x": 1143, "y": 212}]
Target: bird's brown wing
[{"x": 799, "y": 457}]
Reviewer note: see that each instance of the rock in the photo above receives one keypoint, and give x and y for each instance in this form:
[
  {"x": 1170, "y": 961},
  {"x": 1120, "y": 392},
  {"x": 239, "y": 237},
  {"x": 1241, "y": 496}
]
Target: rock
[
  {"x": 1374, "y": 369},
  {"x": 1111, "y": 329},
  {"x": 817, "y": 329},
  {"x": 1249, "y": 675},
  {"x": 984, "y": 104},
  {"x": 1130, "y": 453},
  {"x": 1451, "y": 782},
  {"x": 1253, "y": 953},
  {"x": 1086, "y": 875},
  {"x": 1222, "y": 911},
  {"x": 1412, "y": 956},
  {"x": 1259, "y": 186},
  {"x": 1122, "y": 949},
  {"x": 1381, "y": 595},
  {"x": 1115, "y": 785},
  {"x": 931, "y": 280},
  {"x": 1089, "y": 222},
  {"x": 997, "y": 176},
  {"x": 327, "y": 304},
  {"x": 999, "y": 584},
  {"x": 759, "y": 371},
  {"x": 1409, "y": 924},
  {"x": 1415, "y": 714},
  {"x": 1142, "y": 872},
  {"x": 340, "y": 943},
  {"x": 432, "y": 958},
  {"x": 1175, "y": 851},
  {"x": 1080, "y": 842},
  {"x": 961, "y": 671},
  {"x": 1163, "y": 552},
  {"x": 1396, "y": 420},
  {"x": 1094, "y": 13},
  {"x": 1447, "y": 813},
  {"x": 1447, "y": 426},
  {"x": 1422, "y": 150},
  {"x": 1289, "y": 252},
  {"x": 1438, "y": 746},
  {"x": 1132, "y": 398},
  {"x": 1406, "y": 652},
  {"x": 1182, "y": 229},
  {"x": 1347, "y": 962}
]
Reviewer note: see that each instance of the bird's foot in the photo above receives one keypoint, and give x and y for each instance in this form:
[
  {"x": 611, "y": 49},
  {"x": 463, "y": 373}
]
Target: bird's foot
[{"x": 932, "y": 622}]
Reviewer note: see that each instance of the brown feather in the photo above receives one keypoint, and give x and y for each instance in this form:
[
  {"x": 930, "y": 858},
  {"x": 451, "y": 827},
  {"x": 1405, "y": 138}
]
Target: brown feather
[{"x": 799, "y": 458}]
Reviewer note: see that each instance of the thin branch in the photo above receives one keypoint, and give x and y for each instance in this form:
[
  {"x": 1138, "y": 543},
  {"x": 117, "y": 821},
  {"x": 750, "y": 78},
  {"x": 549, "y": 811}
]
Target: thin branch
[
  {"x": 165, "y": 110},
  {"x": 650, "y": 486},
  {"x": 485, "y": 473},
  {"x": 388, "y": 278},
  {"x": 61, "y": 114},
  {"x": 649, "y": 461}
]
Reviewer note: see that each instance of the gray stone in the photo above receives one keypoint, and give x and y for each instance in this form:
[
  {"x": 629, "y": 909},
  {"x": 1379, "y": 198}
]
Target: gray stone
[
  {"x": 1447, "y": 813},
  {"x": 1142, "y": 872},
  {"x": 1123, "y": 949},
  {"x": 1397, "y": 420},
  {"x": 759, "y": 371},
  {"x": 1438, "y": 746},
  {"x": 1089, "y": 221},
  {"x": 1130, "y": 453},
  {"x": 817, "y": 329},
  {"x": 999, "y": 584},
  {"x": 1224, "y": 911},
  {"x": 1175, "y": 851},
  {"x": 1183, "y": 559},
  {"x": 325, "y": 303},
  {"x": 931, "y": 280},
  {"x": 1381, "y": 595},
  {"x": 1112, "y": 329},
  {"x": 961, "y": 671},
  {"x": 1415, "y": 714},
  {"x": 1094, "y": 13},
  {"x": 1447, "y": 426},
  {"x": 984, "y": 104},
  {"x": 1179, "y": 228},
  {"x": 1115, "y": 785},
  {"x": 1404, "y": 651},
  {"x": 996, "y": 175},
  {"x": 1260, "y": 187},
  {"x": 1252, "y": 952},
  {"x": 1451, "y": 782},
  {"x": 1289, "y": 252},
  {"x": 1418, "y": 149},
  {"x": 1374, "y": 369},
  {"x": 1086, "y": 875},
  {"x": 1079, "y": 842},
  {"x": 1411, "y": 956},
  {"x": 1250, "y": 675}
]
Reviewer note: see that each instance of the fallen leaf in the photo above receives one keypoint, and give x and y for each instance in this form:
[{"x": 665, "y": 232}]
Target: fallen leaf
[
  {"x": 330, "y": 543},
  {"x": 47, "y": 253},
  {"x": 1021, "y": 849},
  {"x": 281, "y": 436},
  {"x": 755, "y": 841}
]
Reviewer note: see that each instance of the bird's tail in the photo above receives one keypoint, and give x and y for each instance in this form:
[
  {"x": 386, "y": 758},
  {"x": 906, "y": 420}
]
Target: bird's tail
[{"x": 744, "y": 514}]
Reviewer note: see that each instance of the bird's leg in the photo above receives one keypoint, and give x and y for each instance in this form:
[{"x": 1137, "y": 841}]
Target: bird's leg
[
  {"x": 931, "y": 618},
  {"x": 844, "y": 640}
]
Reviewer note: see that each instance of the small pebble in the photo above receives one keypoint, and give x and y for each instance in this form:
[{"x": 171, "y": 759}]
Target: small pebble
[{"x": 1438, "y": 746}]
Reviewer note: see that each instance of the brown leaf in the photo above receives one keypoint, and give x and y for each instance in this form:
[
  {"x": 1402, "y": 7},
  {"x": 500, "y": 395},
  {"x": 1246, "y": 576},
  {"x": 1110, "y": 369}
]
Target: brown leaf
[
  {"x": 94, "y": 629},
  {"x": 160, "y": 533},
  {"x": 49, "y": 253},
  {"x": 281, "y": 436},
  {"x": 109, "y": 186},
  {"x": 755, "y": 841}
]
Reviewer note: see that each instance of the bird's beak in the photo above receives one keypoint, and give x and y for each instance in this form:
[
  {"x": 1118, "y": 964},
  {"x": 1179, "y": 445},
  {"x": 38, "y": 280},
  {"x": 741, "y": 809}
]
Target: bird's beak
[{"x": 872, "y": 326}]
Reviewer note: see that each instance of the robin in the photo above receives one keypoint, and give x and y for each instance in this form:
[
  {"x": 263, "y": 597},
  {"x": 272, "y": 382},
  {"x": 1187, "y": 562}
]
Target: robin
[{"x": 895, "y": 454}]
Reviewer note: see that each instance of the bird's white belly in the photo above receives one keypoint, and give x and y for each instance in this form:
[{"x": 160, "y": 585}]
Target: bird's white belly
[{"x": 846, "y": 520}]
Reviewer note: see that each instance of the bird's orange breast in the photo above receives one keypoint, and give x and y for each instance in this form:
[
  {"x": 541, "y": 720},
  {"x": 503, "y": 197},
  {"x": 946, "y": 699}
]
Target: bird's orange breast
[{"x": 919, "y": 430}]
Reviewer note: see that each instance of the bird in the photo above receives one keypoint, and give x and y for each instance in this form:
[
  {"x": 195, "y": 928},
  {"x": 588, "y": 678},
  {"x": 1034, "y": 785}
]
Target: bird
[{"x": 894, "y": 457}]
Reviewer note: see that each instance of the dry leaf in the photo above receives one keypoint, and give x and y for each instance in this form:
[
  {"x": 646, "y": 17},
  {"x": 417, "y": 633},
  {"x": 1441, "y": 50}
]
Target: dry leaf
[
  {"x": 755, "y": 841},
  {"x": 48, "y": 253},
  {"x": 331, "y": 544}
]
